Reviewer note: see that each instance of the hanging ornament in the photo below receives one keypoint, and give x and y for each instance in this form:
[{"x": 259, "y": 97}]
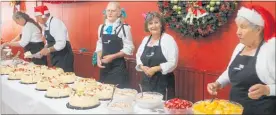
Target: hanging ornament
[{"x": 195, "y": 10}]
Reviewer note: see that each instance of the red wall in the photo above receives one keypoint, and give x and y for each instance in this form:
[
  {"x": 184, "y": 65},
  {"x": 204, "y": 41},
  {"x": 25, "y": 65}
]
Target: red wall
[{"x": 83, "y": 18}]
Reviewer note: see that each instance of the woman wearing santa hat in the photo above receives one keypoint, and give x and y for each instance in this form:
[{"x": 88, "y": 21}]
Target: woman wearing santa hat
[
  {"x": 30, "y": 38},
  {"x": 251, "y": 70},
  {"x": 115, "y": 42},
  {"x": 56, "y": 34}
]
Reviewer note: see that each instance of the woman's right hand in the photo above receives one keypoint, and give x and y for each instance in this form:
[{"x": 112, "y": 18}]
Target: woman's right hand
[
  {"x": 213, "y": 87},
  {"x": 99, "y": 63},
  {"x": 145, "y": 69}
]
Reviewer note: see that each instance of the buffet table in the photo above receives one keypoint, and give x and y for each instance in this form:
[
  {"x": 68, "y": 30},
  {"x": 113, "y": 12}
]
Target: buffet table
[{"x": 24, "y": 99}]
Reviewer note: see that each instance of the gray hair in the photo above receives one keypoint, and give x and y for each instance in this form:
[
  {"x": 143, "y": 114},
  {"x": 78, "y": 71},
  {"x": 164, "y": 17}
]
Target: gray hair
[
  {"x": 251, "y": 25},
  {"x": 242, "y": 19}
]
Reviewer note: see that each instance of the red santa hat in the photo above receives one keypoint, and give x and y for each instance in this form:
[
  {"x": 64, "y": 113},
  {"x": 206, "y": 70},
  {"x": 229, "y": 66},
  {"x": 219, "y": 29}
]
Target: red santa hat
[
  {"x": 261, "y": 17},
  {"x": 41, "y": 10}
]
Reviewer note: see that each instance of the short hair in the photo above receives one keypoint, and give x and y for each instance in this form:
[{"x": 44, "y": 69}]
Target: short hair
[
  {"x": 118, "y": 6},
  {"x": 150, "y": 16},
  {"x": 251, "y": 25}
]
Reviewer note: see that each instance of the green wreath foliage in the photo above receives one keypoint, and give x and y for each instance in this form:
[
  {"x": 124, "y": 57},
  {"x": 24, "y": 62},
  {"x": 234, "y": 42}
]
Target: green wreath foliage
[{"x": 175, "y": 13}]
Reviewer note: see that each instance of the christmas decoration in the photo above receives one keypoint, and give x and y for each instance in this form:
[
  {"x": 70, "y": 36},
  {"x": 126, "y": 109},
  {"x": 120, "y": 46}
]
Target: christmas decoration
[
  {"x": 18, "y": 6},
  {"x": 196, "y": 18}
]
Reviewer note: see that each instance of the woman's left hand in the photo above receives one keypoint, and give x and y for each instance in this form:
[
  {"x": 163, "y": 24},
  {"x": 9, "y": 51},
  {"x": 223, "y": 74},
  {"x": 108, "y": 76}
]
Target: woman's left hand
[
  {"x": 44, "y": 51},
  {"x": 108, "y": 58},
  {"x": 258, "y": 90},
  {"x": 151, "y": 71}
]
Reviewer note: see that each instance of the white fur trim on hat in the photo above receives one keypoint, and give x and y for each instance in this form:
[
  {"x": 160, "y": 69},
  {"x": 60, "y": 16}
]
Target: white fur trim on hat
[
  {"x": 39, "y": 13},
  {"x": 251, "y": 15}
]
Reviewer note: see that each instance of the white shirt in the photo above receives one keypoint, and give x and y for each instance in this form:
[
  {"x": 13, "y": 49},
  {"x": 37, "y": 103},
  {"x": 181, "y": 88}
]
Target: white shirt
[
  {"x": 30, "y": 33},
  {"x": 169, "y": 49},
  {"x": 265, "y": 65},
  {"x": 59, "y": 31},
  {"x": 128, "y": 46}
]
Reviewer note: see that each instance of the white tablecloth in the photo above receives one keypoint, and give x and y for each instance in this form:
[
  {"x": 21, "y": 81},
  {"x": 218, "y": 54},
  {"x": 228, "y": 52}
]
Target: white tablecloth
[{"x": 24, "y": 99}]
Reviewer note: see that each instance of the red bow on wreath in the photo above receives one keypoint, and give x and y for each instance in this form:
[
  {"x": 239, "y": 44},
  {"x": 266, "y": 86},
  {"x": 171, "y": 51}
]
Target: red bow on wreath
[{"x": 196, "y": 9}]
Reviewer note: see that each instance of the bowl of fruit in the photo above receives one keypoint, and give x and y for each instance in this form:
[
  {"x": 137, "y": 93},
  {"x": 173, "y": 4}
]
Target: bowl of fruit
[
  {"x": 178, "y": 106},
  {"x": 217, "y": 106}
]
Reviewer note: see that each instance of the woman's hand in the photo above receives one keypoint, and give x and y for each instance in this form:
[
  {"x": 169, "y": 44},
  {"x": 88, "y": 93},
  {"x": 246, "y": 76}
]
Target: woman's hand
[
  {"x": 108, "y": 58},
  {"x": 258, "y": 90},
  {"x": 144, "y": 68},
  {"x": 151, "y": 71},
  {"x": 44, "y": 51},
  {"x": 213, "y": 87},
  {"x": 99, "y": 63}
]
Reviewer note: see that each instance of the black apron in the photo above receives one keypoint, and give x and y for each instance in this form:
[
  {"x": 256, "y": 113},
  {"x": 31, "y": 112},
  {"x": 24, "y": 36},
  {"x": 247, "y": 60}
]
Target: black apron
[
  {"x": 63, "y": 58},
  {"x": 243, "y": 75},
  {"x": 153, "y": 56},
  {"x": 34, "y": 47},
  {"x": 115, "y": 72}
]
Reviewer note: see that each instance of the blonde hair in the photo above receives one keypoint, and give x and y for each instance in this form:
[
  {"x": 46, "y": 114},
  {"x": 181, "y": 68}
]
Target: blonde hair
[{"x": 118, "y": 6}]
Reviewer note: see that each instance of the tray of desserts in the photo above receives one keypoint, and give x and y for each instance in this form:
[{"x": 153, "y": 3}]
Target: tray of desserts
[
  {"x": 56, "y": 97},
  {"x": 81, "y": 108},
  {"x": 40, "y": 89},
  {"x": 27, "y": 83}
]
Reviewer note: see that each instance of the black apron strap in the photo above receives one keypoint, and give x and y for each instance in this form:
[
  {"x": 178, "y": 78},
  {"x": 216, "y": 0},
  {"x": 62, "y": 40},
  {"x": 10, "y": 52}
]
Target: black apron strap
[
  {"x": 50, "y": 24},
  {"x": 147, "y": 42},
  {"x": 257, "y": 51},
  {"x": 101, "y": 32},
  {"x": 259, "y": 47},
  {"x": 116, "y": 29},
  {"x": 124, "y": 30}
]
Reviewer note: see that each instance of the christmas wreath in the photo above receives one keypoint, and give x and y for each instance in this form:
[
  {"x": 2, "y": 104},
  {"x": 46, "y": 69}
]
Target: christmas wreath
[{"x": 196, "y": 18}]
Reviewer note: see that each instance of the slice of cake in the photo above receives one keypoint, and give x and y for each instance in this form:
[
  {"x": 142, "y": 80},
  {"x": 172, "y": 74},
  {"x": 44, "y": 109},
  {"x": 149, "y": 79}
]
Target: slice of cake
[
  {"x": 29, "y": 78},
  {"x": 104, "y": 91},
  {"x": 83, "y": 100},
  {"x": 68, "y": 77},
  {"x": 45, "y": 82},
  {"x": 6, "y": 70},
  {"x": 16, "y": 74},
  {"x": 58, "y": 91},
  {"x": 84, "y": 83}
]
